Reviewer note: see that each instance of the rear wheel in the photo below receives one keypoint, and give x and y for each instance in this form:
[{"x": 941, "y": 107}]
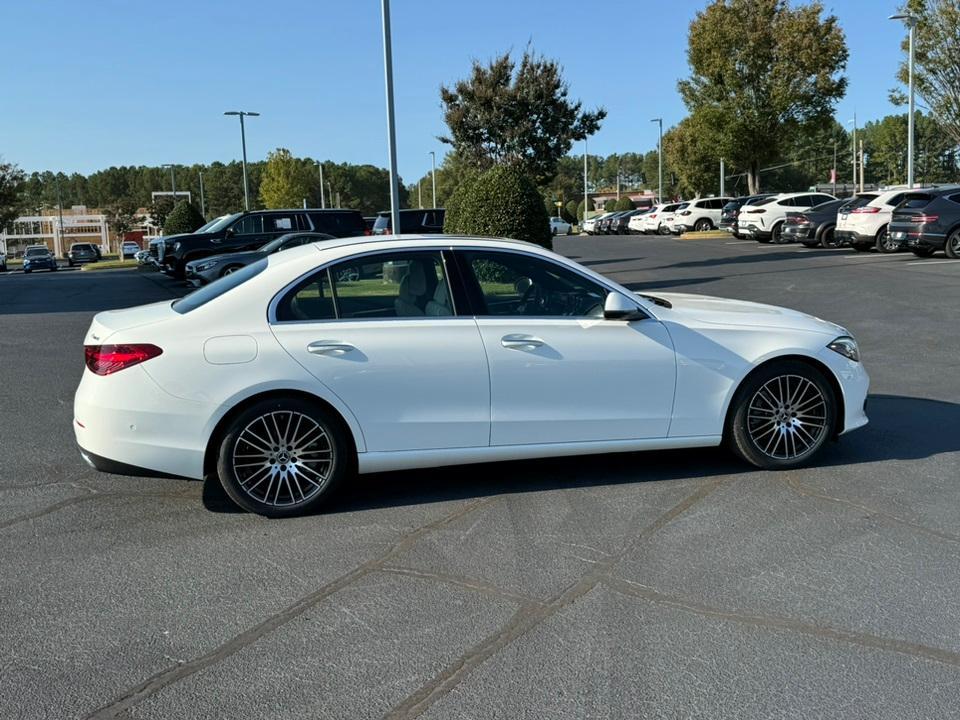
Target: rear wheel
[
  {"x": 782, "y": 415},
  {"x": 952, "y": 246},
  {"x": 663, "y": 229},
  {"x": 923, "y": 252},
  {"x": 885, "y": 243},
  {"x": 776, "y": 235},
  {"x": 703, "y": 225},
  {"x": 828, "y": 238}
]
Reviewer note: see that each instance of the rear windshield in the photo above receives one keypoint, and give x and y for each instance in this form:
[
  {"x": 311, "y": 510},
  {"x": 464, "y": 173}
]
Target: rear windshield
[
  {"x": 762, "y": 201},
  {"x": 218, "y": 287},
  {"x": 915, "y": 202}
]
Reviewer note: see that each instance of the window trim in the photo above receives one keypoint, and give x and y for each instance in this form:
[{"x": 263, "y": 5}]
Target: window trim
[{"x": 326, "y": 267}]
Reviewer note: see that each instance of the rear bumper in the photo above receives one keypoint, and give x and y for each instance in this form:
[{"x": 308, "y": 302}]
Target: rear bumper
[
  {"x": 799, "y": 232},
  {"x": 853, "y": 237},
  {"x": 914, "y": 239}
]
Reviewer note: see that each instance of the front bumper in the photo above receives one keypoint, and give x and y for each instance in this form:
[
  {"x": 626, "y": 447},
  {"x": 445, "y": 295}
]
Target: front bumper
[{"x": 854, "y": 386}]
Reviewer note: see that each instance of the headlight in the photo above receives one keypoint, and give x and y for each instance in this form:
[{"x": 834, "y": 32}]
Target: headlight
[
  {"x": 200, "y": 267},
  {"x": 176, "y": 246},
  {"x": 846, "y": 346}
]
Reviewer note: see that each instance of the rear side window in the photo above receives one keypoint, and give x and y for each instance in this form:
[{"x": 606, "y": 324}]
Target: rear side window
[
  {"x": 762, "y": 201},
  {"x": 279, "y": 223},
  {"x": 341, "y": 224},
  {"x": 954, "y": 198},
  {"x": 218, "y": 287},
  {"x": 382, "y": 222}
]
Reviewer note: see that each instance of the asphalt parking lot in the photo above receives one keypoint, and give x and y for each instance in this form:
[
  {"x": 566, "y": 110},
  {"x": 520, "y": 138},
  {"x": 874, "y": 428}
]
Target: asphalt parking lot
[{"x": 655, "y": 585}]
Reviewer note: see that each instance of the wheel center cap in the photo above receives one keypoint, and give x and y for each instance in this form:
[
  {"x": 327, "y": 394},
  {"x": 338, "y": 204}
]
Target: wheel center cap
[{"x": 283, "y": 458}]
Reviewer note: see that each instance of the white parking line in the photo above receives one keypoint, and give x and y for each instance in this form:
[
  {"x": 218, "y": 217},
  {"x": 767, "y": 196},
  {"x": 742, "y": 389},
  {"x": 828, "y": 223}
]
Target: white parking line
[
  {"x": 741, "y": 242},
  {"x": 931, "y": 262}
]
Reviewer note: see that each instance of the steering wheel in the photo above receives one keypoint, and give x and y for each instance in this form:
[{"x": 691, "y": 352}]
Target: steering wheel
[{"x": 533, "y": 295}]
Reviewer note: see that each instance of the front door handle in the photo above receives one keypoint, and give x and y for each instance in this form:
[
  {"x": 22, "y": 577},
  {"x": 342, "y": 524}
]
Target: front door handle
[
  {"x": 521, "y": 342},
  {"x": 329, "y": 347}
]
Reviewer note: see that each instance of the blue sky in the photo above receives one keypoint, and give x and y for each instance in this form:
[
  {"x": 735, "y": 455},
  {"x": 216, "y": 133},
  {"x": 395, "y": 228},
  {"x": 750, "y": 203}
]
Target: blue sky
[{"x": 89, "y": 84}]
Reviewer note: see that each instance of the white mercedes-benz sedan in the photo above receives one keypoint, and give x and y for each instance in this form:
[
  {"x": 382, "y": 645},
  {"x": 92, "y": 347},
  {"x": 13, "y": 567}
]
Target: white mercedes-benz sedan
[{"x": 361, "y": 355}]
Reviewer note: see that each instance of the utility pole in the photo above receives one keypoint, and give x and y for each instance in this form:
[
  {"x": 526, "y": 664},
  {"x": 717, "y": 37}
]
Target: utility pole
[
  {"x": 323, "y": 199},
  {"x": 243, "y": 143},
  {"x": 433, "y": 172},
  {"x": 722, "y": 179},
  {"x": 420, "y": 193},
  {"x": 618, "y": 179},
  {"x": 834, "y": 167},
  {"x": 173, "y": 182},
  {"x": 59, "y": 250},
  {"x": 391, "y": 125},
  {"x": 861, "y": 165},
  {"x": 659, "y": 122},
  {"x": 203, "y": 205},
  {"x": 911, "y": 21},
  {"x": 854, "y": 152},
  {"x": 585, "y": 200}
]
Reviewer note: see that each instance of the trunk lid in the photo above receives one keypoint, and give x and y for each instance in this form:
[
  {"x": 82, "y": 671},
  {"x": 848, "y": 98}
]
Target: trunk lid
[{"x": 106, "y": 324}]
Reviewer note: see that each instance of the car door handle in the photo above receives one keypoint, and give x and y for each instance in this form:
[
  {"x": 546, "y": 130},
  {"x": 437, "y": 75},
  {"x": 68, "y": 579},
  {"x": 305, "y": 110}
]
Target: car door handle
[
  {"x": 324, "y": 347},
  {"x": 521, "y": 342}
]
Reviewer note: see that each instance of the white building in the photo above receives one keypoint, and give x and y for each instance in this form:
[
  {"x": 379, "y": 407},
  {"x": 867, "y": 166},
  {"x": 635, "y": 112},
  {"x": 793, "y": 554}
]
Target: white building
[{"x": 77, "y": 226}]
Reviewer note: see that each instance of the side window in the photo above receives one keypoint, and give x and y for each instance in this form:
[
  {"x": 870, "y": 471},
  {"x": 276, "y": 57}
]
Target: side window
[
  {"x": 895, "y": 200},
  {"x": 248, "y": 225},
  {"x": 295, "y": 242},
  {"x": 391, "y": 285},
  {"x": 311, "y": 299},
  {"x": 787, "y": 202},
  {"x": 955, "y": 198},
  {"x": 279, "y": 223},
  {"x": 518, "y": 284}
]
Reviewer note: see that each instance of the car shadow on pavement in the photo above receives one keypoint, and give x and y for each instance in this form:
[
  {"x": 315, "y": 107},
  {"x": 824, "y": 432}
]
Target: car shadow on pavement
[
  {"x": 747, "y": 259},
  {"x": 901, "y": 428}
]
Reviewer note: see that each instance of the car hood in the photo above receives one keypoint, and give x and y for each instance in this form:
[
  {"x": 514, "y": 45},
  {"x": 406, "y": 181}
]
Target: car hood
[
  {"x": 241, "y": 257},
  {"x": 171, "y": 239},
  {"x": 710, "y": 310}
]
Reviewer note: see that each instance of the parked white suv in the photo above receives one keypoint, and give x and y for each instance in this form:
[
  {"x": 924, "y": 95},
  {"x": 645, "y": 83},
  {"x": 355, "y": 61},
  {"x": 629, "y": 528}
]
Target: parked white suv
[
  {"x": 667, "y": 219},
  {"x": 865, "y": 225},
  {"x": 763, "y": 220},
  {"x": 701, "y": 214},
  {"x": 653, "y": 221}
]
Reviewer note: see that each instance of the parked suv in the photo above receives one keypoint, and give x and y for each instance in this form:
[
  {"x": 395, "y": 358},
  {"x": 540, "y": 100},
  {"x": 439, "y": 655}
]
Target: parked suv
[
  {"x": 38, "y": 257},
  {"x": 428, "y": 221},
  {"x": 816, "y": 226},
  {"x": 929, "y": 220},
  {"x": 250, "y": 231},
  {"x": 731, "y": 211},
  {"x": 865, "y": 224},
  {"x": 763, "y": 220},
  {"x": 702, "y": 214},
  {"x": 81, "y": 253}
]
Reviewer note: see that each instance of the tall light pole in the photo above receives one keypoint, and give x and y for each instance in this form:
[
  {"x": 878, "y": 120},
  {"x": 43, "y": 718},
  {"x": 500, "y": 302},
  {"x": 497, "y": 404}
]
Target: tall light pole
[
  {"x": 433, "y": 174},
  {"x": 659, "y": 122},
  {"x": 243, "y": 142},
  {"x": 203, "y": 205},
  {"x": 323, "y": 199},
  {"x": 854, "y": 145},
  {"x": 391, "y": 125},
  {"x": 585, "y": 201},
  {"x": 911, "y": 21},
  {"x": 173, "y": 182}
]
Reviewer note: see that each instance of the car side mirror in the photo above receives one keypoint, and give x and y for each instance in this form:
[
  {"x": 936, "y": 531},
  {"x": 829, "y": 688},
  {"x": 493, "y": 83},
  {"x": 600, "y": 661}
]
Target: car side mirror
[{"x": 620, "y": 307}]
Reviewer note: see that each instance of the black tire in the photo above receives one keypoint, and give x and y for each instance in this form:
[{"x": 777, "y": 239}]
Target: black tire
[
  {"x": 230, "y": 269},
  {"x": 923, "y": 252},
  {"x": 244, "y": 433},
  {"x": 54, "y": 268},
  {"x": 663, "y": 229},
  {"x": 776, "y": 234},
  {"x": 952, "y": 246},
  {"x": 750, "y": 435},
  {"x": 883, "y": 242},
  {"x": 702, "y": 225},
  {"x": 810, "y": 243},
  {"x": 828, "y": 237}
]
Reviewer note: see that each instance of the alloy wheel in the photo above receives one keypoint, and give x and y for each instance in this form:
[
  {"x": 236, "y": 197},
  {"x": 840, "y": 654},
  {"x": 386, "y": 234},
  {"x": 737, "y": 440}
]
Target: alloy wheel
[
  {"x": 885, "y": 243},
  {"x": 787, "y": 417},
  {"x": 952, "y": 246},
  {"x": 283, "y": 458}
]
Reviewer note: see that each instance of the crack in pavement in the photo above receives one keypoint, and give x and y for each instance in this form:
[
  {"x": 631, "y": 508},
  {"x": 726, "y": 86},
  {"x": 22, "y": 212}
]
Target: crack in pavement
[
  {"x": 529, "y": 616},
  {"x": 805, "y": 491},
  {"x": 626, "y": 587},
  {"x": 251, "y": 635},
  {"x": 469, "y": 583}
]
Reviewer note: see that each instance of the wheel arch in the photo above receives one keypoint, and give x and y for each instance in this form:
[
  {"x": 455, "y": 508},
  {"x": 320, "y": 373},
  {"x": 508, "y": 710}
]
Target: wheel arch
[
  {"x": 216, "y": 435},
  {"x": 792, "y": 357}
]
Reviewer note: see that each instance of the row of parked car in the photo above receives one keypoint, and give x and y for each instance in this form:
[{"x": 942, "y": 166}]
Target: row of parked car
[
  {"x": 923, "y": 220},
  {"x": 230, "y": 242}
]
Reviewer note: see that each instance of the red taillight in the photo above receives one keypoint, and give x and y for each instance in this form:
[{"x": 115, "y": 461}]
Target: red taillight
[
  {"x": 107, "y": 359},
  {"x": 652, "y": 215},
  {"x": 367, "y": 231},
  {"x": 758, "y": 211},
  {"x": 924, "y": 218},
  {"x": 865, "y": 210}
]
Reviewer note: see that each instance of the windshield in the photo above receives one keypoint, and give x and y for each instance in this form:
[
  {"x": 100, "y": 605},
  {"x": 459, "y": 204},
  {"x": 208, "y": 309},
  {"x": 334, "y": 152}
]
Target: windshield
[
  {"x": 219, "y": 224},
  {"x": 36, "y": 251},
  {"x": 273, "y": 245}
]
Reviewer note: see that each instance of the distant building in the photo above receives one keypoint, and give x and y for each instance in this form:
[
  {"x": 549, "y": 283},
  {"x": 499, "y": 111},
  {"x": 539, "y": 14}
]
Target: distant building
[{"x": 80, "y": 224}]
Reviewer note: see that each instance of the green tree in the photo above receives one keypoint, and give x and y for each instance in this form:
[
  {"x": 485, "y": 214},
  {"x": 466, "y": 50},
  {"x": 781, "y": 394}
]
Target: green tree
[
  {"x": 11, "y": 193},
  {"x": 501, "y": 202},
  {"x": 610, "y": 205},
  {"x": 760, "y": 70},
  {"x": 122, "y": 218},
  {"x": 580, "y": 207},
  {"x": 571, "y": 211},
  {"x": 936, "y": 61},
  {"x": 624, "y": 203},
  {"x": 184, "y": 218},
  {"x": 159, "y": 209},
  {"x": 285, "y": 182},
  {"x": 504, "y": 114}
]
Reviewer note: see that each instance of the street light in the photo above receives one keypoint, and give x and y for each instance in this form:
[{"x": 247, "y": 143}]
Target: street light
[
  {"x": 243, "y": 142},
  {"x": 391, "y": 124},
  {"x": 173, "y": 181},
  {"x": 323, "y": 199},
  {"x": 911, "y": 21},
  {"x": 854, "y": 150},
  {"x": 659, "y": 122},
  {"x": 433, "y": 173}
]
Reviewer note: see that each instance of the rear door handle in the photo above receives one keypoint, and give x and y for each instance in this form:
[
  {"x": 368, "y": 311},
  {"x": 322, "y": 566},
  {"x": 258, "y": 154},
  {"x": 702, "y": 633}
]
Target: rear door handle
[
  {"x": 521, "y": 342},
  {"x": 329, "y": 347}
]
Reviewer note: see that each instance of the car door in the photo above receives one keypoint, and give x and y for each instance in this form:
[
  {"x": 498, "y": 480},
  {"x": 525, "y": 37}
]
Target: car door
[
  {"x": 380, "y": 330},
  {"x": 559, "y": 372},
  {"x": 246, "y": 234},
  {"x": 276, "y": 224}
]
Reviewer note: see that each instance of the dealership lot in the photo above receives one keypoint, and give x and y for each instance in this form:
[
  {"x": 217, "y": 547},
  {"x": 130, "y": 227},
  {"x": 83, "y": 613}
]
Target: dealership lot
[{"x": 659, "y": 585}]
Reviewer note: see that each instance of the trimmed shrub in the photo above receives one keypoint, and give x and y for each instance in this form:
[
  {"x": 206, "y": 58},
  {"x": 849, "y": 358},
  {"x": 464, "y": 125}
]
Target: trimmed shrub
[
  {"x": 572, "y": 211},
  {"x": 184, "y": 218},
  {"x": 609, "y": 205},
  {"x": 502, "y": 202},
  {"x": 624, "y": 203},
  {"x": 580, "y": 211}
]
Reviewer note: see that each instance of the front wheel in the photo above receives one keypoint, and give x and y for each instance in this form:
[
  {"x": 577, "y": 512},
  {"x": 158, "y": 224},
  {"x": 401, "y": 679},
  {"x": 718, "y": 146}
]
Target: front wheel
[
  {"x": 663, "y": 229},
  {"x": 886, "y": 244},
  {"x": 282, "y": 457},
  {"x": 952, "y": 246},
  {"x": 229, "y": 269},
  {"x": 782, "y": 415},
  {"x": 703, "y": 225}
]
